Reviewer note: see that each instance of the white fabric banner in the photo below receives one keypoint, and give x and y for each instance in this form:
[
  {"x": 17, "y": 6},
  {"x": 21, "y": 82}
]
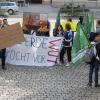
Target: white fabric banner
[{"x": 35, "y": 51}]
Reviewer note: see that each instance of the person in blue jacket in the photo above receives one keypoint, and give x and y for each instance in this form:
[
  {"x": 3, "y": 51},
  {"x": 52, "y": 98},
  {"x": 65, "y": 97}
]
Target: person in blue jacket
[{"x": 67, "y": 45}]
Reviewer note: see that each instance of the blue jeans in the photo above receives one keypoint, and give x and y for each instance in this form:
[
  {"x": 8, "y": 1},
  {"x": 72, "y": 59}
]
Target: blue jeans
[{"x": 94, "y": 67}]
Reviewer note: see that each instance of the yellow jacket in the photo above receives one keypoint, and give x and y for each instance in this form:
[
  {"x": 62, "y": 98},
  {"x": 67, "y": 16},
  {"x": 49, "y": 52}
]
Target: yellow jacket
[
  {"x": 73, "y": 25},
  {"x": 64, "y": 25}
]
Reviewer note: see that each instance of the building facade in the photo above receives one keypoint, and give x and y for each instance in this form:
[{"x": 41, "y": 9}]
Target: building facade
[{"x": 49, "y": 1}]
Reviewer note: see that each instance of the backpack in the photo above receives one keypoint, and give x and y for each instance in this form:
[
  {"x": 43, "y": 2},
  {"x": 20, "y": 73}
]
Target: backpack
[{"x": 91, "y": 55}]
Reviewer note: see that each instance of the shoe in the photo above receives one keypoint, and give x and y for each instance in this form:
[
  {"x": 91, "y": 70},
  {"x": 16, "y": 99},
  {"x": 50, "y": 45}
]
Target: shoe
[
  {"x": 89, "y": 84},
  {"x": 4, "y": 68},
  {"x": 97, "y": 85},
  {"x": 68, "y": 64},
  {"x": 62, "y": 62}
]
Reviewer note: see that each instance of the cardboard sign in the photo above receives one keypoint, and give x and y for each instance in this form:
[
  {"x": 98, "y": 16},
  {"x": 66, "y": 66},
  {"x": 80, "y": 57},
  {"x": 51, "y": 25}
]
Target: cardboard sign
[{"x": 11, "y": 35}]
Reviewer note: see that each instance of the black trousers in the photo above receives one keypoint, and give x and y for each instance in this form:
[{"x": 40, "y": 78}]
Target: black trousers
[
  {"x": 3, "y": 57},
  {"x": 63, "y": 51}
]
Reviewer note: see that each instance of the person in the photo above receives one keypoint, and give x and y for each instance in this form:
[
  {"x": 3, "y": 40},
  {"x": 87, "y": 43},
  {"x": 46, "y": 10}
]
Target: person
[
  {"x": 72, "y": 24},
  {"x": 0, "y": 23},
  {"x": 59, "y": 32},
  {"x": 81, "y": 20},
  {"x": 0, "y": 28},
  {"x": 27, "y": 2},
  {"x": 95, "y": 63},
  {"x": 20, "y": 3},
  {"x": 3, "y": 51},
  {"x": 67, "y": 45},
  {"x": 64, "y": 24},
  {"x": 5, "y": 23}
]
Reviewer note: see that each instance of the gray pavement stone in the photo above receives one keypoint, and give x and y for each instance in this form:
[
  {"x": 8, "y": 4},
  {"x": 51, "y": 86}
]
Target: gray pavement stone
[{"x": 55, "y": 83}]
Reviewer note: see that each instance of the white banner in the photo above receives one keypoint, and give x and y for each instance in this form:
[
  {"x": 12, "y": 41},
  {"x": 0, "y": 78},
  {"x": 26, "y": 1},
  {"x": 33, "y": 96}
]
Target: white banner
[{"x": 35, "y": 51}]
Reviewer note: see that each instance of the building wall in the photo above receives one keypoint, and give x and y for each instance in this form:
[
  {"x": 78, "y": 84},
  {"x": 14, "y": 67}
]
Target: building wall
[{"x": 53, "y": 1}]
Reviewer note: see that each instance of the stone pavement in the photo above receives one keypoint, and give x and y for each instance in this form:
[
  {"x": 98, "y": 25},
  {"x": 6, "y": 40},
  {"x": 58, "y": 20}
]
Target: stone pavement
[{"x": 54, "y": 83}]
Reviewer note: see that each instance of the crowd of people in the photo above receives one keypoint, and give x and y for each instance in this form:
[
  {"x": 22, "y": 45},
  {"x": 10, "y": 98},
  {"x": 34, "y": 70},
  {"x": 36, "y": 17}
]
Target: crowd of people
[{"x": 67, "y": 30}]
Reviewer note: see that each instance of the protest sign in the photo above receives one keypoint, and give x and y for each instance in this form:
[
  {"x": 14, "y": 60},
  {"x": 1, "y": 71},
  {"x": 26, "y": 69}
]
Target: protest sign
[
  {"x": 36, "y": 23},
  {"x": 11, "y": 35},
  {"x": 35, "y": 51},
  {"x": 30, "y": 22}
]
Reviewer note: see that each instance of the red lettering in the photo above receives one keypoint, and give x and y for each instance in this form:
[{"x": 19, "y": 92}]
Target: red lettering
[{"x": 53, "y": 51}]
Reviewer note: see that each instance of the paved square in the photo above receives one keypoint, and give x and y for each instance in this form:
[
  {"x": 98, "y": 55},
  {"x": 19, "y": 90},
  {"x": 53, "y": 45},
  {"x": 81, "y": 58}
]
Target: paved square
[{"x": 54, "y": 83}]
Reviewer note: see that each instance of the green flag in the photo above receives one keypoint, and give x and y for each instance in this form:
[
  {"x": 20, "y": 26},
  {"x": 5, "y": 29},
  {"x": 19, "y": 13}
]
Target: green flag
[
  {"x": 86, "y": 25},
  {"x": 92, "y": 24},
  {"x": 80, "y": 44}
]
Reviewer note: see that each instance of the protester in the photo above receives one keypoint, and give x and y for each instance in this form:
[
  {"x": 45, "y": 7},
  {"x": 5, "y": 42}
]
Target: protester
[
  {"x": 59, "y": 32},
  {"x": 95, "y": 63},
  {"x": 72, "y": 24},
  {"x": 0, "y": 28},
  {"x": 91, "y": 36},
  {"x": 67, "y": 45},
  {"x": 0, "y": 23},
  {"x": 5, "y": 23},
  {"x": 81, "y": 20},
  {"x": 64, "y": 25},
  {"x": 3, "y": 51}
]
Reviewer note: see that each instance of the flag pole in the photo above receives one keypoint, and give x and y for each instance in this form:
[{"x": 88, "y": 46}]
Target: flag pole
[{"x": 72, "y": 6}]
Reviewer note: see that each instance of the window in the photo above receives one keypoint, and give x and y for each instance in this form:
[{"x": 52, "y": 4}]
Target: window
[
  {"x": 10, "y": 4},
  {"x": 6, "y": 4},
  {"x": 3, "y": 4}
]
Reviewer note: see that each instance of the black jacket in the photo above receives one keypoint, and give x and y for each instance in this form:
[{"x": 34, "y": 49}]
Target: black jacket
[
  {"x": 98, "y": 49},
  {"x": 57, "y": 33}
]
